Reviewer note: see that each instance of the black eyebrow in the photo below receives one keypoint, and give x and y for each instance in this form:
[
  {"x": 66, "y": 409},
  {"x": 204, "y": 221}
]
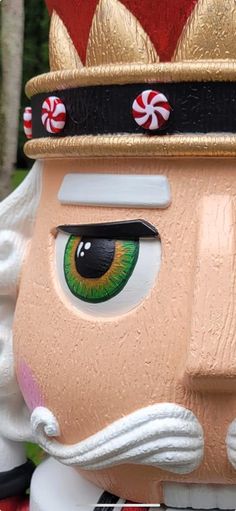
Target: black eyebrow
[{"x": 127, "y": 230}]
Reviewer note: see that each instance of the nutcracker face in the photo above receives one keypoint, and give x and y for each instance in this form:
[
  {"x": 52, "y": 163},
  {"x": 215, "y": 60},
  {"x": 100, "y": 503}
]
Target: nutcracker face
[{"x": 128, "y": 328}]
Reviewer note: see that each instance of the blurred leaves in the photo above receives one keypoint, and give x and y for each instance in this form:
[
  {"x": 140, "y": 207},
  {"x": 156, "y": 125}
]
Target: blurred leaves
[
  {"x": 11, "y": 41},
  {"x": 35, "y": 59},
  {"x": 34, "y": 453}
]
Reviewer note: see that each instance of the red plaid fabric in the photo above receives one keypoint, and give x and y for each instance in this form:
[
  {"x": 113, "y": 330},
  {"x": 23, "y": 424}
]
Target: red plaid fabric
[
  {"x": 138, "y": 508},
  {"x": 14, "y": 504},
  {"x": 24, "y": 505}
]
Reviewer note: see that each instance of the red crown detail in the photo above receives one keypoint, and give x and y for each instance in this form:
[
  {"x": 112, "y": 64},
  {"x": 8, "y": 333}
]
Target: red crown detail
[{"x": 163, "y": 20}]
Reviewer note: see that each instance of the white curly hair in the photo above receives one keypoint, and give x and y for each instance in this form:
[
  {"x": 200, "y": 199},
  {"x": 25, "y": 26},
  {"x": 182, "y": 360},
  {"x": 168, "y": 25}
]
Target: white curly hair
[{"x": 17, "y": 217}]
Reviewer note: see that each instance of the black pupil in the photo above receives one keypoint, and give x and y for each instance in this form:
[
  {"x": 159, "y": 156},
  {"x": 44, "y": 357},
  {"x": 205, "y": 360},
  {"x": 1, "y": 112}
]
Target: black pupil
[{"x": 94, "y": 257}]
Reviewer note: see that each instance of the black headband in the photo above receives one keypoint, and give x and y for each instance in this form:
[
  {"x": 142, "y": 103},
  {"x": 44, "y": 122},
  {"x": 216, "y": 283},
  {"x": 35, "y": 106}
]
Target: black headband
[{"x": 196, "y": 107}]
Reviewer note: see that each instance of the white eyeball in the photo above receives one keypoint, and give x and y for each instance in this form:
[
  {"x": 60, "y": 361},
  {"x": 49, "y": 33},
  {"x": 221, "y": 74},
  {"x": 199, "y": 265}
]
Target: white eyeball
[{"x": 105, "y": 277}]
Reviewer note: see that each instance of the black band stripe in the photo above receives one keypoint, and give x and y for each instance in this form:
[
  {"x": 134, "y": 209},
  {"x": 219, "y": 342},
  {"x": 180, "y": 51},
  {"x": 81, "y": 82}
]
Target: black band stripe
[
  {"x": 197, "y": 107},
  {"x": 15, "y": 482}
]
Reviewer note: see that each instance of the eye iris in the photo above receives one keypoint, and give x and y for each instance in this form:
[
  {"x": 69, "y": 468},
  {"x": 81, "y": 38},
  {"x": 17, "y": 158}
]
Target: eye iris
[
  {"x": 96, "y": 270},
  {"x": 94, "y": 257}
]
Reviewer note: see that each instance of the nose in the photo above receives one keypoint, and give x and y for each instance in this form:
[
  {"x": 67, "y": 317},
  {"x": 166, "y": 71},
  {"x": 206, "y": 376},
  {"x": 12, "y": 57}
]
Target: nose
[{"x": 211, "y": 353}]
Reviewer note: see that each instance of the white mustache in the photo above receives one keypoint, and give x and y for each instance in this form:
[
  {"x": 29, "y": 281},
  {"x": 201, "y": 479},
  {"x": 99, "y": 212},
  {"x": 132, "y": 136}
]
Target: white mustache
[{"x": 163, "y": 435}]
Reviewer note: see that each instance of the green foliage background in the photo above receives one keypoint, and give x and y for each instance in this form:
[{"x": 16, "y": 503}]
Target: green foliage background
[{"x": 35, "y": 59}]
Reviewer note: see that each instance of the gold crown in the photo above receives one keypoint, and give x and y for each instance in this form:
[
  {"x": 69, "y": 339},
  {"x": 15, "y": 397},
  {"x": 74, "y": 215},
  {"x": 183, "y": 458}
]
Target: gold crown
[{"x": 119, "y": 52}]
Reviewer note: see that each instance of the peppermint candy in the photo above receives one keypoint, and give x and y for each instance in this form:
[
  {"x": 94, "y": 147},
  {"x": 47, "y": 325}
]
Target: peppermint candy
[
  {"x": 151, "y": 110},
  {"x": 53, "y": 114},
  {"x": 27, "y": 122}
]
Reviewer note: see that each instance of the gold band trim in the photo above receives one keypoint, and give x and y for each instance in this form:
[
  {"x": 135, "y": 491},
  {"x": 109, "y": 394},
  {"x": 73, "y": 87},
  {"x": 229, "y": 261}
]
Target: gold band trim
[
  {"x": 217, "y": 70},
  {"x": 135, "y": 145}
]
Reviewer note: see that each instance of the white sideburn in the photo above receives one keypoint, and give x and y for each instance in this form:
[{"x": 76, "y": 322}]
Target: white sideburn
[
  {"x": 164, "y": 435},
  {"x": 12, "y": 454},
  {"x": 116, "y": 190},
  {"x": 199, "y": 496},
  {"x": 17, "y": 216}
]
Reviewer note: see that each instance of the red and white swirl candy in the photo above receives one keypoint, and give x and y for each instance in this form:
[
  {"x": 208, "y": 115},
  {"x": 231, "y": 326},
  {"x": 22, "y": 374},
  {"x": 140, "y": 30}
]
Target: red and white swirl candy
[
  {"x": 53, "y": 114},
  {"x": 27, "y": 122},
  {"x": 151, "y": 110}
]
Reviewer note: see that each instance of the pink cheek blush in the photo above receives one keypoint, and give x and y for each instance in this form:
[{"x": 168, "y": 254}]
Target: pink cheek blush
[{"x": 29, "y": 386}]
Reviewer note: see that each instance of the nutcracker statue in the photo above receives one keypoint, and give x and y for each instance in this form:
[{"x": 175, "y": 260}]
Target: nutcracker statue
[{"x": 118, "y": 264}]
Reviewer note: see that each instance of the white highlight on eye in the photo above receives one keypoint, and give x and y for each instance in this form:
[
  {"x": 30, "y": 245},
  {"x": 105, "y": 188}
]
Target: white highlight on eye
[
  {"x": 87, "y": 245},
  {"x": 135, "y": 290},
  {"x": 120, "y": 190},
  {"x": 163, "y": 435}
]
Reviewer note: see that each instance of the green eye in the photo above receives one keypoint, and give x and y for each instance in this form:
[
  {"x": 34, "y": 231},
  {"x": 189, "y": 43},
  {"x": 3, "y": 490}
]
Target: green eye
[{"x": 96, "y": 270}]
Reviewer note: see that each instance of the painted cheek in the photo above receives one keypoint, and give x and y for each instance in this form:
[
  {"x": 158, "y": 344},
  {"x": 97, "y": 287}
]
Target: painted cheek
[{"x": 29, "y": 386}]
